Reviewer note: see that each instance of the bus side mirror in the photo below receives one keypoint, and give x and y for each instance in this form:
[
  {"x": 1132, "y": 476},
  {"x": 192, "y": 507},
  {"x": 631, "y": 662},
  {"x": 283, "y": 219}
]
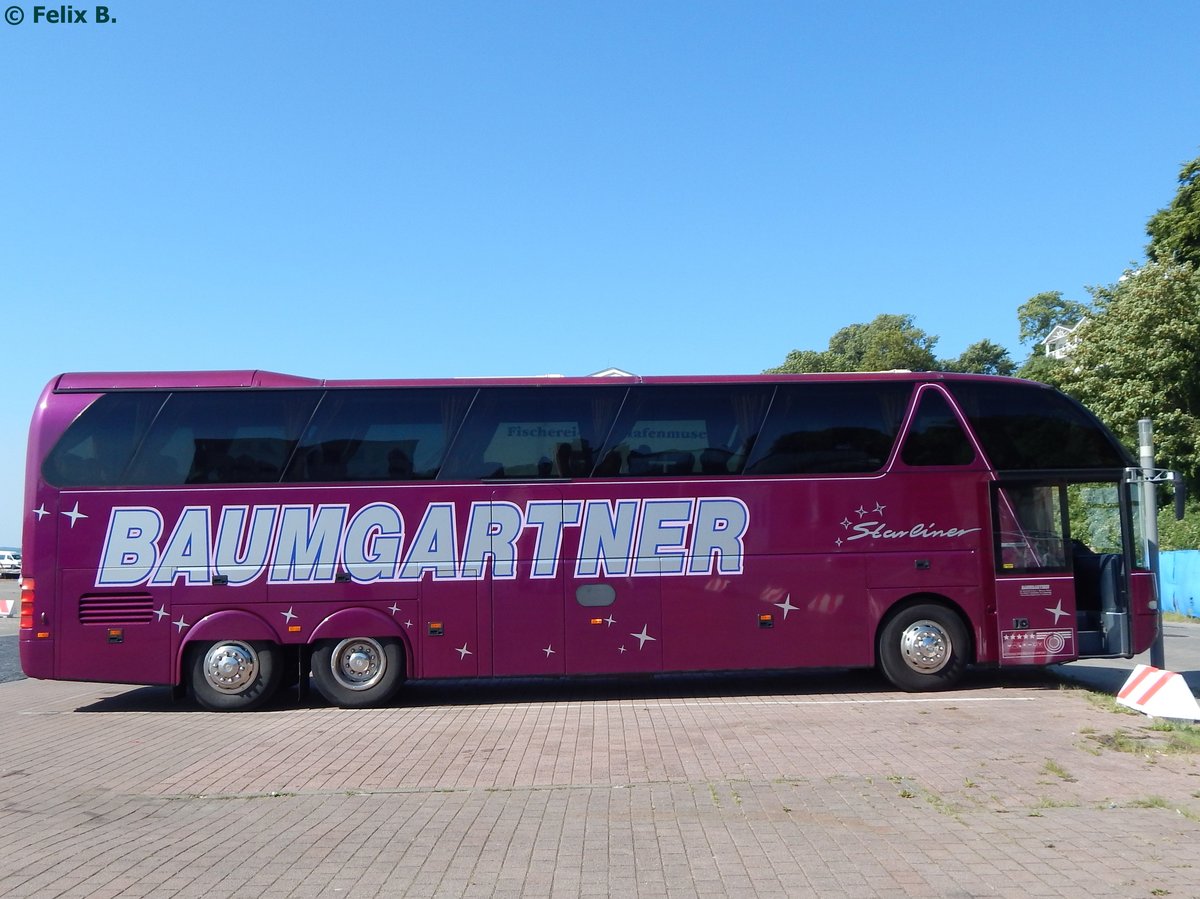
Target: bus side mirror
[{"x": 1180, "y": 494}]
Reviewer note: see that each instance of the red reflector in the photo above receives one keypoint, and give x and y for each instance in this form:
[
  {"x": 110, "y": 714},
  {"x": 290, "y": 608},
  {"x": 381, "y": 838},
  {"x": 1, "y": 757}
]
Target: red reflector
[{"x": 27, "y": 604}]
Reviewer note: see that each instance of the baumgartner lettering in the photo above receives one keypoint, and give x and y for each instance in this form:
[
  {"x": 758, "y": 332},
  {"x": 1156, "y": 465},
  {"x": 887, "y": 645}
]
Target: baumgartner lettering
[
  {"x": 879, "y": 530},
  {"x": 304, "y": 544}
]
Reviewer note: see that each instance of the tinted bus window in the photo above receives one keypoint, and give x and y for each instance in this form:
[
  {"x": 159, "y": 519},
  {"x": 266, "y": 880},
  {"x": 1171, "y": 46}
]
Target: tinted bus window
[
  {"x": 935, "y": 437},
  {"x": 532, "y": 432},
  {"x": 822, "y": 428},
  {"x": 1024, "y": 427},
  {"x": 223, "y": 437},
  {"x": 678, "y": 430},
  {"x": 96, "y": 448},
  {"x": 379, "y": 435}
]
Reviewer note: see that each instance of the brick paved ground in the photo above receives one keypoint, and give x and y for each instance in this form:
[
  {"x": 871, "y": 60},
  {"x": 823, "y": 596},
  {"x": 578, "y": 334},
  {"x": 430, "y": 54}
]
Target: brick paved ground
[{"x": 775, "y": 786}]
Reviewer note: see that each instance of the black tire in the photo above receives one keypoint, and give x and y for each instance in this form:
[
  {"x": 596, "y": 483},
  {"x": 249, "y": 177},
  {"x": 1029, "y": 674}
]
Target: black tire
[
  {"x": 234, "y": 675},
  {"x": 923, "y": 647},
  {"x": 359, "y": 671}
]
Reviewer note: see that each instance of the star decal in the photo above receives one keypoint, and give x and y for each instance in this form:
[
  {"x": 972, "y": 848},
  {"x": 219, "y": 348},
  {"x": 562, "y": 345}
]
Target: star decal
[
  {"x": 878, "y": 510},
  {"x": 860, "y": 511},
  {"x": 74, "y": 515},
  {"x": 162, "y": 613},
  {"x": 1057, "y": 612},
  {"x": 621, "y": 650},
  {"x": 181, "y": 624},
  {"x": 549, "y": 651},
  {"x": 463, "y": 652},
  {"x": 846, "y": 522},
  {"x": 643, "y": 637},
  {"x": 41, "y": 512},
  {"x": 289, "y": 615},
  {"x": 393, "y": 608},
  {"x": 408, "y": 623},
  {"x": 610, "y": 621},
  {"x": 838, "y": 541},
  {"x": 786, "y": 605}
]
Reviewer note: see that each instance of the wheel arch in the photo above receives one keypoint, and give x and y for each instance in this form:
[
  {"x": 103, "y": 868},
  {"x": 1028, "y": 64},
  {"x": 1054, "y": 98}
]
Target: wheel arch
[
  {"x": 363, "y": 622},
  {"x": 227, "y": 624},
  {"x": 929, "y": 598}
]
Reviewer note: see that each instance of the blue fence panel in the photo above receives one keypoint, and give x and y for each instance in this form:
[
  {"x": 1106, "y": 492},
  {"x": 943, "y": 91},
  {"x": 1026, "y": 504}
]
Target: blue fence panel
[{"x": 1179, "y": 581}]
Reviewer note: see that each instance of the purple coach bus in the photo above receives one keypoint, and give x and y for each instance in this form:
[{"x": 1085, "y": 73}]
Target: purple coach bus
[{"x": 230, "y": 532}]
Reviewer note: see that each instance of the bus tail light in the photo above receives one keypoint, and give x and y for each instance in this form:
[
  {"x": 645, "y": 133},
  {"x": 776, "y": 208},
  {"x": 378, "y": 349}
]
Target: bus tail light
[{"x": 27, "y": 604}]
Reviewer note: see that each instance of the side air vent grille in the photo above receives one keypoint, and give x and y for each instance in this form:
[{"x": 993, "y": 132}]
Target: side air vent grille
[{"x": 112, "y": 609}]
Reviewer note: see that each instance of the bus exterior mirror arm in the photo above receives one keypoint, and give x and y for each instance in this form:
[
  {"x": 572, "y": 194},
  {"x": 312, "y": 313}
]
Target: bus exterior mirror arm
[{"x": 1180, "y": 494}]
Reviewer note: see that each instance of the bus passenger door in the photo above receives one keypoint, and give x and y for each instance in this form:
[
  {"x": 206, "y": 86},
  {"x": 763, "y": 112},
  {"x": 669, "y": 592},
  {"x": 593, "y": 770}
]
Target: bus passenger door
[{"x": 1035, "y": 587}]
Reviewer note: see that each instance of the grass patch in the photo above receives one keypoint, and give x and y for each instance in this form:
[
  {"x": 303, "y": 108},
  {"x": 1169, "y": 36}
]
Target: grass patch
[
  {"x": 1054, "y": 803},
  {"x": 1053, "y": 767}
]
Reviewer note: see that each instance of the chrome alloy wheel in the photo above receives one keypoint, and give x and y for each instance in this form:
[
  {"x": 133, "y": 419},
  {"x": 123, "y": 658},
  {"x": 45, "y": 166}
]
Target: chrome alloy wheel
[
  {"x": 230, "y": 666},
  {"x": 358, "y": 663},
  {"x": 925, "y": 646}
]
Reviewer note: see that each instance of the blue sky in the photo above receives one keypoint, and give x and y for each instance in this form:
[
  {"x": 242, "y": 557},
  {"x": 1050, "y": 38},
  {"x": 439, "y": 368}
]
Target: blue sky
[{"x": 397, "y": 189}]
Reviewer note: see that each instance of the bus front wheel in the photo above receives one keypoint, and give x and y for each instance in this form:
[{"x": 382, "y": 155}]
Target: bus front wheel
[
  {"x": 923, "y": 647},
  {"x": 359, "y": 671},
  {"x": 234, "y": 675}
]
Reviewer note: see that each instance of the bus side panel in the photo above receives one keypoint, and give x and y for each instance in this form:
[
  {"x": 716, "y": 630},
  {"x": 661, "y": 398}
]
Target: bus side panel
[
  {"x": 604, "y": 619},
  {"x": 451, "y": 641},
  {"x": 115, "y": 636},
  {"x": 816, "y": 616}
]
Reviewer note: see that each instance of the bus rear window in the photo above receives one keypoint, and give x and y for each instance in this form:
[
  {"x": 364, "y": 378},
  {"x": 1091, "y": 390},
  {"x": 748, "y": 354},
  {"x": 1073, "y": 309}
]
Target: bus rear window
[{"x": 96, "y": 449}]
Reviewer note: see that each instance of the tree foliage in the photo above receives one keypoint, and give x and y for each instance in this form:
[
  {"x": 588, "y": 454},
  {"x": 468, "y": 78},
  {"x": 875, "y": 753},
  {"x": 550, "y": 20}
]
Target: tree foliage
[
  {"x": 1138, "y": 356},
  {"x": 1175, "y": 231},
  {"x": 1039, "y": 315},
  {"x": 982, "y": 357},
  {"x": 887, "y": 342}
]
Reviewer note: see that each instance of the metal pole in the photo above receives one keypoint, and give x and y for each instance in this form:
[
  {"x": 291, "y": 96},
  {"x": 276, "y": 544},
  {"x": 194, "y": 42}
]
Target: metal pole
[{"x": 1150, "y": 526}]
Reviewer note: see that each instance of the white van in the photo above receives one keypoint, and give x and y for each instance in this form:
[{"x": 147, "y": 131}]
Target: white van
[{"x": 10, "y": 563}]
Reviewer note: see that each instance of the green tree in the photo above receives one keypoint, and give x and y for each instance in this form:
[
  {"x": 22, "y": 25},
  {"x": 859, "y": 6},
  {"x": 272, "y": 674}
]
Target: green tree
[
  {"x": 885, "y": 343},
  {"x": 1040, "y": 367},
  {"x": 982, "y": 357},
  {"x": 1175, "y": 231},
  {"x": 1039, "y": 315},
  {"x": 1138, "y": 356}
]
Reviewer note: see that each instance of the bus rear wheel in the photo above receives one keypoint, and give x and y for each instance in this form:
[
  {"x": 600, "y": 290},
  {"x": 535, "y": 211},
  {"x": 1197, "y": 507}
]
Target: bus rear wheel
[
  {"x": 359, "y": 671},
  {"x": 234, "y": 675},
  {"x": 923, "y": 647}
]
